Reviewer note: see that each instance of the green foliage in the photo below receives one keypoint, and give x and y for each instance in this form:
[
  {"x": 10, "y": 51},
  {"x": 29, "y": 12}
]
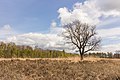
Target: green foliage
[{"x": 11, "y": 50}]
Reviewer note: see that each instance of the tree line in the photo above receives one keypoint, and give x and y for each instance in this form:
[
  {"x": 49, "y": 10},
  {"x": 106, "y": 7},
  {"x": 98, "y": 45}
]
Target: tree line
[
  {"x": 11, "y": 50},
  {"x": 100, "y": 55},
  {"x": 103, "y": 55}
]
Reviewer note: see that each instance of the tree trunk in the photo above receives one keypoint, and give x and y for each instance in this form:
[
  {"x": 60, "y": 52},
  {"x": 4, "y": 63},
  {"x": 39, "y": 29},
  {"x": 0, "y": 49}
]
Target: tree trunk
[{"x": 81, "y": 57}]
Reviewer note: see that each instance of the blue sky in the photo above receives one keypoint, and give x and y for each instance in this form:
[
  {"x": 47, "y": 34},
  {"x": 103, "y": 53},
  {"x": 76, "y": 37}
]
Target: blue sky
[
  {"x": 28, "y": 22},
  {"x": 32, "y": 15}
]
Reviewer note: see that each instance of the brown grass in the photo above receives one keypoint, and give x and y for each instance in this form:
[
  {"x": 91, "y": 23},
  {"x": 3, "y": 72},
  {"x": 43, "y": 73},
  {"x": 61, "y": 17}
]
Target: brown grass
[{"x": 59, "y": 69}]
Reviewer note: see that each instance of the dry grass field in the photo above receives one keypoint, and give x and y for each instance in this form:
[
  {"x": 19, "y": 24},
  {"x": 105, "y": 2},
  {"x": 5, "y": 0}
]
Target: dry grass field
[{"x": 60, "y": 69}]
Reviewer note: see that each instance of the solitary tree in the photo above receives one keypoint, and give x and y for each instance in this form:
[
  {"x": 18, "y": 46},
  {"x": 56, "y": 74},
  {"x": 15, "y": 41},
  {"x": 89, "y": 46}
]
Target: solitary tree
[{"x": 83, "y": 36}]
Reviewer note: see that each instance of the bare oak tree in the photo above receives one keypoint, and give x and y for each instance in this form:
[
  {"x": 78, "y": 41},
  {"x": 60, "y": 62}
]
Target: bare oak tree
[{"x": 83, "y": 36}]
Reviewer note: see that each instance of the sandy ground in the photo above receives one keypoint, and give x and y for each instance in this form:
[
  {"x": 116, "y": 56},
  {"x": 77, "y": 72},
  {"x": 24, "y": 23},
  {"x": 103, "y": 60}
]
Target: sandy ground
[{"x": 73, "y": 59}]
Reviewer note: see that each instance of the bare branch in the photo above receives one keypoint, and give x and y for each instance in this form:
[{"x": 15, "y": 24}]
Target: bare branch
[{"x": 82, "y": 36}]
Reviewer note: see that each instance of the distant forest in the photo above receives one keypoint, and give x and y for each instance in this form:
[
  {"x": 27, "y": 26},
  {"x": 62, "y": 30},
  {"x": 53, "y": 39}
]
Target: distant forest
[{"x": 11, "y": 50}]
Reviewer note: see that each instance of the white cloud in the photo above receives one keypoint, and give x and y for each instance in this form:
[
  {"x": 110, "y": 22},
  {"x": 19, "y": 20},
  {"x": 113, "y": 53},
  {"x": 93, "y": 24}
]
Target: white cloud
[
  {"x": 6, "y": 29},
  {"x": 109, "y": 4},
  {"x": 45, "y": 41},
  {"x": 111, "y": 47},
  {"x": 108, "y": 22},
  {"x": 53, "y": 24},
  {"x": 54, "y": 29},
  {"x": 67, "y": 16},
  {"x": 90, "y": 11},
  {"x": 105, "y": 33}
]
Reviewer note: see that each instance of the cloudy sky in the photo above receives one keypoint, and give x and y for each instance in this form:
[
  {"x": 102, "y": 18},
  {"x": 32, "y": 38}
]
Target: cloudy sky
[{"x": 37, "y": 22}]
